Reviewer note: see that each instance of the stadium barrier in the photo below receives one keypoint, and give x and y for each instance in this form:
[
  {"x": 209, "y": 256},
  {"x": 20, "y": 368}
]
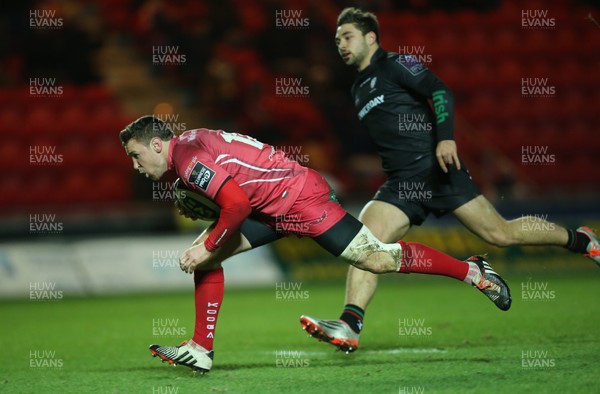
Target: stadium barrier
[
  {"x": 139, "y": 264},
  {"x": 115, "y": 265}
]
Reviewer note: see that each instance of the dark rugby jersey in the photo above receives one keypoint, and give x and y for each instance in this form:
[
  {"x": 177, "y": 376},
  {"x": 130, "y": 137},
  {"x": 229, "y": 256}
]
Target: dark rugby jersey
[{"x": 391, "y": 96}]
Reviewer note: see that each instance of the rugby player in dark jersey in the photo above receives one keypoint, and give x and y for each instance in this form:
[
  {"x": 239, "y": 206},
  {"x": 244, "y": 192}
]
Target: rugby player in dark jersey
[{"x": 409, "y": 115}]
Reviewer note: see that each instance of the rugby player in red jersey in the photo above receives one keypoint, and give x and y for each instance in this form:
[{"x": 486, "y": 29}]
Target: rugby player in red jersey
[
  {"x": 393, "y": 90},
  {"x": 254, "y": 186}
]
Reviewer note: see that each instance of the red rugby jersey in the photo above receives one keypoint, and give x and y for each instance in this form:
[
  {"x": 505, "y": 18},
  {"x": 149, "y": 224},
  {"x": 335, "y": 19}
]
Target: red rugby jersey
[{"x": 205, "y": 159}]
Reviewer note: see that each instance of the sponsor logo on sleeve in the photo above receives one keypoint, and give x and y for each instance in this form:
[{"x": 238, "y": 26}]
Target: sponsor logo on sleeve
[
  {"x": 201, "y": 176},
  {"x": 411, "y": 63},
  {"x": 188, "y": 169}
]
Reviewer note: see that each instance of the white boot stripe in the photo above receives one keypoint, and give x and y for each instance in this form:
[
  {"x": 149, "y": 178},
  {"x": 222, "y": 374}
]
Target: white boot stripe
[{"x": 187, "y": 355}]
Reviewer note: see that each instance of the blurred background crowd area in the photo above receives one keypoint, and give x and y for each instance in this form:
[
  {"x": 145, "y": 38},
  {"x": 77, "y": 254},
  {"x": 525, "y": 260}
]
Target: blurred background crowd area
[{"x": 73, "y": 73}]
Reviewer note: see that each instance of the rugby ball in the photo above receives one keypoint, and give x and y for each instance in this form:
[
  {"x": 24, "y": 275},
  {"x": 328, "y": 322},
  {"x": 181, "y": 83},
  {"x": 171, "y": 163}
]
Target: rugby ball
[{"x": 195, "y": 203}]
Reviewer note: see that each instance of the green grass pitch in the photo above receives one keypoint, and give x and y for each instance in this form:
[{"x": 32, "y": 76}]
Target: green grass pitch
[{"x": 422, "y": 335}]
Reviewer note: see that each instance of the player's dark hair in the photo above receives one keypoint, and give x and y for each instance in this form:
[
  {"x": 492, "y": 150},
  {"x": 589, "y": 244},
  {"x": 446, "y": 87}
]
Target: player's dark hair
[
  {"x": 364, "y": 21},
  {"x": 146, "y": 128}
]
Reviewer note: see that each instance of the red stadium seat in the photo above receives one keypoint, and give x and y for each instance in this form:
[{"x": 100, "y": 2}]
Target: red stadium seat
[
  {"x": 481, "y": 108},
  {"x": 77, "y": 152},
  {"x": 567, "y": 72},
  {"x": 41, "y": 120},
  {"x": 446, "y": 41},
  {"x": 78, "y": 186},
  {"x": 112, "y": 186},
  {"x": 42, "y": 187},
  {"x": 11, "y": 121},
  {"x": 477, "y": 41},
  {"x": 570, "y": 104},
  {"x": 564, "y": 42},
  {"x": 451, "y": 72},
  {"x": 75, "y": 120},
  {"x": 535, "y": 43},
  {"x": 508, "y": 73},
  {"x": 505, "y": 41},
  {"x": 108, "y": 152},
  {"x": 13, "y": 155},
  {"x": 479, "y": 73},
  {"x": 102, "y": 120},
  {"x": 96, "y": 94},
  {"x": 11, "y": 192},
  {"x": 572, "y": 136}
]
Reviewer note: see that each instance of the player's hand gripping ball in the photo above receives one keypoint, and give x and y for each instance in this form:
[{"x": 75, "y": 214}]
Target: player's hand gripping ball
[{"x": 193, "y": 204}]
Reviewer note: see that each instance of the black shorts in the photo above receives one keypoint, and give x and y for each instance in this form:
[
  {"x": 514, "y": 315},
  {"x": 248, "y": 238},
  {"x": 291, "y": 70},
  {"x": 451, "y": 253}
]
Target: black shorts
[
  {"x": 334, "y": 240},
  {"x": 431, "y": 191},
  {"x": 316, "y": 213}
]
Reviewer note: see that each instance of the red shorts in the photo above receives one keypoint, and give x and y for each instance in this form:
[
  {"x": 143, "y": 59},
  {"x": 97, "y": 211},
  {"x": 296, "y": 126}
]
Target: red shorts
[{"x": 315, "y": 211}]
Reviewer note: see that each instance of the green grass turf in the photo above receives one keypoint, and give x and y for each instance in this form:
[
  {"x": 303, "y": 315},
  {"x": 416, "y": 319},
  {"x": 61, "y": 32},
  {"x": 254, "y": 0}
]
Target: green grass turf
[{"x": 468, "y": 345}]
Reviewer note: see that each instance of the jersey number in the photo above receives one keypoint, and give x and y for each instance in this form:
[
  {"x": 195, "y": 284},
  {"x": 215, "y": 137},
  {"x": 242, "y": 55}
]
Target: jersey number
[{"x": 244, "y": 139}]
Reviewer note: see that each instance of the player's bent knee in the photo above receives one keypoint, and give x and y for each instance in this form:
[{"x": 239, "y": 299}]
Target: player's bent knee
[
  {"x": 371, "y": 267},
  {"x": 383, "y": 263},
  {"x": 369, "y": 254},
  {"x": 380, "y": 268}
]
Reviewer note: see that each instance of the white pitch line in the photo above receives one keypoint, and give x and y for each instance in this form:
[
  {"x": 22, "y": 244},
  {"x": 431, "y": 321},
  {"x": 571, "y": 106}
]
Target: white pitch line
[
  {"x": 409, "y": 350},
  {"x": 384, "y": 351}
]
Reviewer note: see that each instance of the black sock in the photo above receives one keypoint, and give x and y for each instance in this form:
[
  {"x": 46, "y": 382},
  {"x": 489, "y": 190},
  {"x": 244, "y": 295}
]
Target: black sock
[
  {"x": 353, "y": 316},
  {"x": 578, "y": 242}
]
